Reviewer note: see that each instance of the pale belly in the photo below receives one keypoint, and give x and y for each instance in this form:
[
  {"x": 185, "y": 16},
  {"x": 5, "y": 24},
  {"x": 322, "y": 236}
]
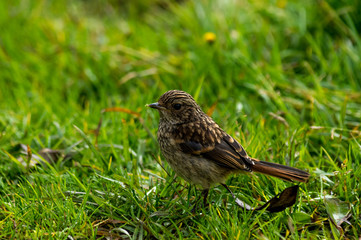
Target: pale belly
[{"x": 196, "y": 169}]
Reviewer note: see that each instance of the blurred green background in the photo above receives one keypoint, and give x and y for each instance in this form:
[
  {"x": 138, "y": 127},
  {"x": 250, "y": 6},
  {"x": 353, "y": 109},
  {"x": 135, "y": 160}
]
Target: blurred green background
[{"x": 282, "y": 77}]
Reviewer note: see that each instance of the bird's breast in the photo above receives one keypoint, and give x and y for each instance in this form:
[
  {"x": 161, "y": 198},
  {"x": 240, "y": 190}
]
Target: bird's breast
[{"x": 194, "y": 169}]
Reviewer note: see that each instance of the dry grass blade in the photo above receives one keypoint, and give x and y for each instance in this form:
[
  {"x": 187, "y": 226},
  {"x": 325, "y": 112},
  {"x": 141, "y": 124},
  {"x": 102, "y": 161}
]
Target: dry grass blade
[
  {"x": 212, "y": 108},
  {"x": 279, "y": 118},
  {"x": 127, "y": 111}
]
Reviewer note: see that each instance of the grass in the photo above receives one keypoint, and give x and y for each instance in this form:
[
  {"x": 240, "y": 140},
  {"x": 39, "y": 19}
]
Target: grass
[{"x": 283, "y": 77}]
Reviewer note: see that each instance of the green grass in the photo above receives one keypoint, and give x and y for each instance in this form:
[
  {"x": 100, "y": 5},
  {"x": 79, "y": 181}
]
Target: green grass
[{"x": 62, "y": 62}]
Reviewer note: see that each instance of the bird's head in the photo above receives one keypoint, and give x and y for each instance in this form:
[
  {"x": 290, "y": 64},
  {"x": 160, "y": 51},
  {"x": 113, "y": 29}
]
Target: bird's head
[{"x": 177, "y": 107}]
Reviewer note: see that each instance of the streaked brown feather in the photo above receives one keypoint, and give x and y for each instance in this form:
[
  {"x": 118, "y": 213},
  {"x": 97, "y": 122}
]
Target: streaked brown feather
[
  {"x": 281, "y": 171},
  {"x": 211, "y": 142}
]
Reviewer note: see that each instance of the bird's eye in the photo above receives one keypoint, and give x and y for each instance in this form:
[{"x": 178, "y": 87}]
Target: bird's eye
[{"x": 177, "y": 106}]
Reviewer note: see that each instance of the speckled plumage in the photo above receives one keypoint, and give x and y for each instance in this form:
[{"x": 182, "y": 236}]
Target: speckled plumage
[{"x": 202, "y": 153}]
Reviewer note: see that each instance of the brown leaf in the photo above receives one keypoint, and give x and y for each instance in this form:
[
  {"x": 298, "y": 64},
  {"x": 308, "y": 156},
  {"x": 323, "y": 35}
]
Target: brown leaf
[
  {"x": 282, "y": 201},
  {"x": 278, "y": 203},
  {"x": 29, "y": 159},
  {"x": 50, "y": 155}
]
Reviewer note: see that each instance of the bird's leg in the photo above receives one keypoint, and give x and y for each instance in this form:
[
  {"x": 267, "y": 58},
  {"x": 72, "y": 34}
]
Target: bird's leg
[
  {"x": 239, "y": 202},
  {"x": 229, "y": 190},
  {"x": 205, "y": 195}
]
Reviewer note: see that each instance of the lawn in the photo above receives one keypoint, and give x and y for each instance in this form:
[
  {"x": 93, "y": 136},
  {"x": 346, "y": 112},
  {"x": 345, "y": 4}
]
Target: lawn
[{"x": 282, "y": 77}]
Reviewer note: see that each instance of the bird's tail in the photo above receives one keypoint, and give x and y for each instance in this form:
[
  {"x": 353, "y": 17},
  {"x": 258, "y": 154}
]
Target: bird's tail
[{"x": 281, "y": 171}]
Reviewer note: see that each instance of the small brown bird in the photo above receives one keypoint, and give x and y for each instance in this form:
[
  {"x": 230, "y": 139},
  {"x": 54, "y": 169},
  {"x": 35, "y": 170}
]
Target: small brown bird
[{"x": 199, "y": 151}]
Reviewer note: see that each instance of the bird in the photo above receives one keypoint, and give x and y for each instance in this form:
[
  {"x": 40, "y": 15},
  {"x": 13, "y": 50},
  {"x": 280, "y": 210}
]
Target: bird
[{"x": 201, "y": 152}]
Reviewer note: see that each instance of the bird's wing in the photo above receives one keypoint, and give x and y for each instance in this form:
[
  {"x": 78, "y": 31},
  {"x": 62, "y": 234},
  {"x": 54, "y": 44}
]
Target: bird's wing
[{"x": 211, "y": 142}]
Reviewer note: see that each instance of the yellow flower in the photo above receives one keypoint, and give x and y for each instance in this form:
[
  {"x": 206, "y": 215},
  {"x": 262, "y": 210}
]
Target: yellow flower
[
  {"x": 281, "y": 3},
  {"x": 209, "y": 37}
]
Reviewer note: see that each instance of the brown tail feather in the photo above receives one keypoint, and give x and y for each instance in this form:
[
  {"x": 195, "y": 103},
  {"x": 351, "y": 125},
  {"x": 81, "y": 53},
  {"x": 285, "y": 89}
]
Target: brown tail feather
[{"x": 281, "y": 171}]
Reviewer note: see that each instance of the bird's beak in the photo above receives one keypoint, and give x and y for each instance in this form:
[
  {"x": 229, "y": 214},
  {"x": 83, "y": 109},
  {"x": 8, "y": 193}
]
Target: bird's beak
[{"x": 156, "y": 106}]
